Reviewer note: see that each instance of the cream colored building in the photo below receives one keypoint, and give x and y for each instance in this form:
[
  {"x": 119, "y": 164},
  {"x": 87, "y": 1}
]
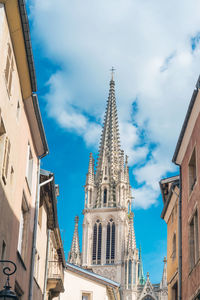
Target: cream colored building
[
  {"x": 22, "y": 145},
  {"x": 81, "y": 284},
  {"x": 49, "y": 254}
]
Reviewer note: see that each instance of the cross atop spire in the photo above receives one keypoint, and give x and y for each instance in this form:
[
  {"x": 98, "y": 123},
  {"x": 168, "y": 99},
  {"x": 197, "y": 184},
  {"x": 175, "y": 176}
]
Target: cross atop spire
[{"x": 112, "y": 73}]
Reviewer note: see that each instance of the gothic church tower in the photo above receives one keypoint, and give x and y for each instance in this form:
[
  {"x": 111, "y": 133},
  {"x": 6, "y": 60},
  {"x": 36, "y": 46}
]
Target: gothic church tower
[{"x": 108, "y": 245}]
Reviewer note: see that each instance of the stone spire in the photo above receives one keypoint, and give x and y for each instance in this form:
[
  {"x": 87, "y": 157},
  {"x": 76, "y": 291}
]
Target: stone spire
[
  {"x": 110, "y": 145},
  {"x": 141, "y": 277},
  {"x": 163, "y": 284},
  {"x": 90, "y": 174},
  {"x": 131, "y": 235},
  {"x": 74, "y": 256}
]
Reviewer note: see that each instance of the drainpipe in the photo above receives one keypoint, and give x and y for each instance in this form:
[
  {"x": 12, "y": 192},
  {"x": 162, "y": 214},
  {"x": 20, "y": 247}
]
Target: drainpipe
[
  {"x": 46, "y": 265},
  {"x": 37, "y": 203},
  {"x": 180, "y": 237}
]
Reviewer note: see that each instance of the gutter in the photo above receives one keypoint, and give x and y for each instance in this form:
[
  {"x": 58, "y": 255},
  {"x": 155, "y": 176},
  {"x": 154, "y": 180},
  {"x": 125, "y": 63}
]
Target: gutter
[
  {"x": 28, "y": 47},
  {"x": 31, "y": 68},
  {"x": 180, "y": 239}
]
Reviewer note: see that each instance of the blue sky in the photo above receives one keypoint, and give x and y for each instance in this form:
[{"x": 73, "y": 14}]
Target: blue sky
[{"x": 154, "y": 47}]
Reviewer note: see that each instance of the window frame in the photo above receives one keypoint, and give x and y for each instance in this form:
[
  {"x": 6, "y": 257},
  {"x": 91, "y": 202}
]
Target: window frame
[
  {"x": 23, "y": 228},
  {"x": 192, "y": 170},
  {"x": 193, "y": 232},
  {"x": 29, "y": 168}
]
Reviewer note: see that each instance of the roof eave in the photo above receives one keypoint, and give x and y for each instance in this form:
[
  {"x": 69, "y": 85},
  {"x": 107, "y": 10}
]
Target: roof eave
[
  {"x": 187, "y": 117},
  {"x": 28, "y": 46}
]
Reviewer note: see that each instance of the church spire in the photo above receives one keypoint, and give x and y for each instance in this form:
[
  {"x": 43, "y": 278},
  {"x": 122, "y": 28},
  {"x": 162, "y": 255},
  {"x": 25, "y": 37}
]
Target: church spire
[
  {"x": 109, "y": 151},
  {"x": 140, "y": 269},
  {"x": 74, "y": 256},
  {"x": 163, "y": 284}
]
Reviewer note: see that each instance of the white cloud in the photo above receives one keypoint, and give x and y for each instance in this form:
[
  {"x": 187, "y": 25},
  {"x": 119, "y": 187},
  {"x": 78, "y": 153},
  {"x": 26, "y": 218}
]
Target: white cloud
[
  {"x": 144, "y": 197},
  {"x": 149, "y": 43}
]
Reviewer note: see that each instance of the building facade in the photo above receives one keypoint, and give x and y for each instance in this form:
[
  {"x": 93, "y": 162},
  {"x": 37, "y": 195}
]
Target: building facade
[
  {"x": 108, "y": 242},
  {"x": 170, "y": 194},
  {"x": 29, "y": 234},
  {"x": 187, "y": 157},
  {"x": 49, "y": 255},
  {"x": 22, "y": 145},
  {"x": 82, "y": 284}
]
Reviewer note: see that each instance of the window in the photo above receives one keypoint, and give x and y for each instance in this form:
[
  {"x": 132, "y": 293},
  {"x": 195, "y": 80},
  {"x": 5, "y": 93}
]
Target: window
[
  {"x": 6, "y": 159},
  {"x": 18, "y": 291},
  {"x": 110, "y": 242},
  {"x": 194, "y": 240},
  {"x": 86, "y": 296},
  {"x": 174, "y": 247},
  {"x": 18, "y": 111},
  {"x": 192, "y": 171},
  {"x": 125, "y": 273},
  {"x": 97, "y": 237},
  {"x": 197, "y": 297},
  {"x": 37, "y": 265},
  {"x": 134, "y": 272},
  {"x": 175, "y": 291},
  {"x": 9, "y": 69},
  {"x": 29, "y": 171},
  {"x": 3, "y": 250},
  {"x": 23, "y": 226},
  {"x": 105, "y": 196},
  {"x": 129, "y": 273}
]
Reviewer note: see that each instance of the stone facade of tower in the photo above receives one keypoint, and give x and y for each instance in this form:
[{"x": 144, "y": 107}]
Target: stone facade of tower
[{"x": 108, "y": 242}]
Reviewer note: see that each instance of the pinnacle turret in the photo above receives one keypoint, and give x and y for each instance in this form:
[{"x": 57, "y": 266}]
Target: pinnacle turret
[
  {"x": 74, "y": 256},
  {"x": 90, "y": 174},
  {"x": 140, "y": 269},
  {"x": 163, "y": 283},
  {"x": 131, "y": 235}
]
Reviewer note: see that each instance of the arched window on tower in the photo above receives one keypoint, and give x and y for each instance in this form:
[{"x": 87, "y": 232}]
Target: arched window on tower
[
  {"x": 105, "y": 197},
  {"x": 97, "y": 238},
  {"x": 110, "y": 242},
  {"x": 90, "y": 197},
  {"x": 129, "y": 273},
  {"x": 86, "y": 198}
]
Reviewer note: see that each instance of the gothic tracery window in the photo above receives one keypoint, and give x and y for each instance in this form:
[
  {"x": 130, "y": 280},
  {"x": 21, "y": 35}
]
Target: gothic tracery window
[
  {"x": 105, "y": 196},
  {"x": 110, "y": 242},
  {"x": 97, "y": 238}
]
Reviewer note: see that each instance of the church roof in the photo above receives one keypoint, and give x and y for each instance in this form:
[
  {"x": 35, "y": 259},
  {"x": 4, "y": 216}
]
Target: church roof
[{"x": 92, "y": 275}]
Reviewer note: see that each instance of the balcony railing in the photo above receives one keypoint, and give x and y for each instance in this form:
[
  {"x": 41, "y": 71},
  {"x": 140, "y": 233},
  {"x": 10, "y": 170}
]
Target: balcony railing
[{"x": 55, "y": 270}]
